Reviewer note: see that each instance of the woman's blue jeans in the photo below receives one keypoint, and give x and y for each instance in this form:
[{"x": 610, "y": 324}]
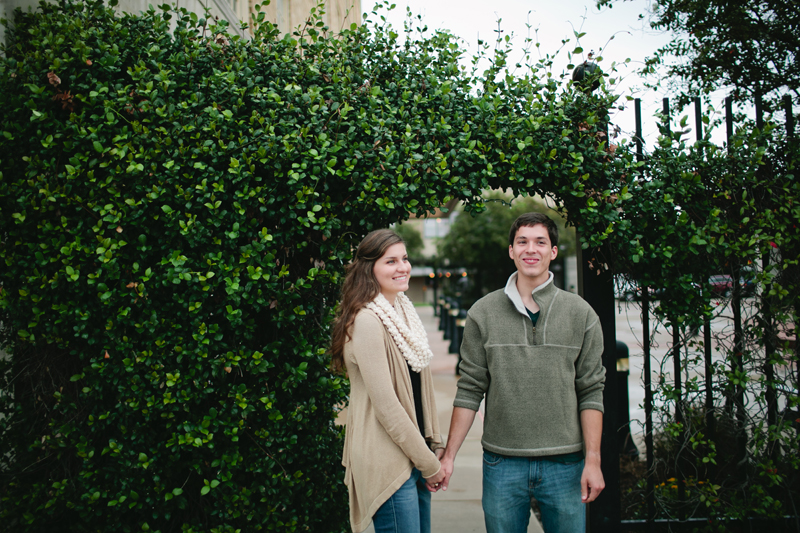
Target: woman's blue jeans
[
  {"x": 510, "y": 482},
  {"x": 408, "y": 510}
]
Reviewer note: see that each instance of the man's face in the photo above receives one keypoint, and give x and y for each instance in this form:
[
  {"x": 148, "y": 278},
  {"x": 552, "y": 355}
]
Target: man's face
[{"x": 532, "y": 252}]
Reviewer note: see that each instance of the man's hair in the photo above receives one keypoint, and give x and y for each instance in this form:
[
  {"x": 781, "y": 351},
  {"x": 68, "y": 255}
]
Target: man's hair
[{"x": 534, "y": 219}]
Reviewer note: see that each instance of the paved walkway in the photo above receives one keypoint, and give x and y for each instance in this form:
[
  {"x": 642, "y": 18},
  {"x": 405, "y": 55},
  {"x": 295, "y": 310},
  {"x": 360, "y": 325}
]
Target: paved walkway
[{"x": 459, "y": 509}]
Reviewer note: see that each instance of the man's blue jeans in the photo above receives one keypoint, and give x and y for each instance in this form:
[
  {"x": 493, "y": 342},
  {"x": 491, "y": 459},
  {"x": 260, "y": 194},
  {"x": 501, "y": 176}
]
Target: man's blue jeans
[
  {"x": 509, "y": 483},
  {"x": 408, "y": 510}
]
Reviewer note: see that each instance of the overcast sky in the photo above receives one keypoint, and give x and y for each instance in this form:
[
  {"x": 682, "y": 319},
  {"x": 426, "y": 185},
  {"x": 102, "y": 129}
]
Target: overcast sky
[{"x": 619, "y": 32}]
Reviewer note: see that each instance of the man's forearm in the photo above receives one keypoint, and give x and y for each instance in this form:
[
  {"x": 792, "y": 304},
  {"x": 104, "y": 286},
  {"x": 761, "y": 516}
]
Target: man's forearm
[
  {"x": 460, "y": 423},
  {"x": 592, "y": 427},
  {"x": 592, "y": 482}
]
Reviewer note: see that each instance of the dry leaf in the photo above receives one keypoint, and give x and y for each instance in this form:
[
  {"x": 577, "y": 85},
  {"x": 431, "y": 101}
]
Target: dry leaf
[{"x": 228, "y": 369}]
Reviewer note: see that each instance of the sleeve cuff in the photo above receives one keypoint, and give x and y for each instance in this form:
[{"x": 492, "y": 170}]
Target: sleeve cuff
[
  {"x": 467, "y": 403},
  {"x": 597, "y": 406}
]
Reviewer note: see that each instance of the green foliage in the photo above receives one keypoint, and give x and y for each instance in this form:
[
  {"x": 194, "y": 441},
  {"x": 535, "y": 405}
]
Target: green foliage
[
  {"x": 413, "y": 239},
  {"x": 692, "y": 211},
  {"x": 688, "y": 212},
  {"x": 480, "y": 244},
  {"x": 176, "y": 207},
  {"x": 712, "y": 47}
]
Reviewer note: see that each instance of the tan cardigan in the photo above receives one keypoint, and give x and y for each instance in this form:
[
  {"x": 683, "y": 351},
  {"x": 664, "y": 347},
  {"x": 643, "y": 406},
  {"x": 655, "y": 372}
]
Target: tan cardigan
[{"x": 383, "y": 441}]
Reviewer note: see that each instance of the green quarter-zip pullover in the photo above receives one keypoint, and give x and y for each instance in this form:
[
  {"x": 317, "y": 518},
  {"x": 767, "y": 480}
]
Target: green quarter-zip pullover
[{"x": 535, "y": 380}]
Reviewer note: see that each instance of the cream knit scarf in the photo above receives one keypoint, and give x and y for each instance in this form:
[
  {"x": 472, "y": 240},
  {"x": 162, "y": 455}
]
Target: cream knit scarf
[{"x": 406, "y": 330}]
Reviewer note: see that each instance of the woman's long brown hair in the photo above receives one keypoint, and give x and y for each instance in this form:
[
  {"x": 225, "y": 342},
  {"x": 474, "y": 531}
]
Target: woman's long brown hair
[{"x": 359, "y": 288}]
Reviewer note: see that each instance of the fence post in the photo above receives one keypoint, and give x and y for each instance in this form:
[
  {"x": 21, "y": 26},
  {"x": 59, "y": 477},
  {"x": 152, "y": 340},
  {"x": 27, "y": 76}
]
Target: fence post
[
  {"x": 735, "y": 405},
  {"x": 729, "y": 118},
  {"x": 455, "y": 334},
  {"x": 707, "y": 353},
  {"x": 442, "y": 310},
  {"x": 460, "y": 323},
  {"x": 648, "y": 409},
  {"x": 596, "y": 286},
  {"x": 679, "y": 416},
  {"x": 444, "y": 320},
  {"x": 627, "y": 446}
]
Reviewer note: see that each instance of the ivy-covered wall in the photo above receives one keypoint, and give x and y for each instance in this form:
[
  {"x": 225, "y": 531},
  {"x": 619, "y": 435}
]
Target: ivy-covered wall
[{"x": 176, "y": 208}]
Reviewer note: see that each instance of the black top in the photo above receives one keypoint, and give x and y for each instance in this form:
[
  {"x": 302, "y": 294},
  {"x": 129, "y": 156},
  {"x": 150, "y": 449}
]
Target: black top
[
  {"x": 534, "y": 316},
  {"x": 416, "y": 385}
]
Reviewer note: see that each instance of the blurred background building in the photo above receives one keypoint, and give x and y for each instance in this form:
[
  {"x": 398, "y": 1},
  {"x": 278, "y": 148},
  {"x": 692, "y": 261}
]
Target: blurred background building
[{"x": 287, "y": 14}]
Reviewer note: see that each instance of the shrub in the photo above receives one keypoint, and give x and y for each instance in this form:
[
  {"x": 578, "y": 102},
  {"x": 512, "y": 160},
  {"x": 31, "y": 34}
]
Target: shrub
[{"x": 176, "y": 207}]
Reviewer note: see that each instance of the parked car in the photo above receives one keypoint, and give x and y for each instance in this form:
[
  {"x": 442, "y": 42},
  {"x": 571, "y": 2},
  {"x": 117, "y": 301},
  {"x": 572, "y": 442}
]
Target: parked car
[
  {"x": 722, "y": 285},
  {"x": 630, "y": 291}
]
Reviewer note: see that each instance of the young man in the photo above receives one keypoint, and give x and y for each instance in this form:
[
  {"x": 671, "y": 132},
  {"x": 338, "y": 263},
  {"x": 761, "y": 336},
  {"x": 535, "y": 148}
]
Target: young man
[{"x": 534, "y": 352}]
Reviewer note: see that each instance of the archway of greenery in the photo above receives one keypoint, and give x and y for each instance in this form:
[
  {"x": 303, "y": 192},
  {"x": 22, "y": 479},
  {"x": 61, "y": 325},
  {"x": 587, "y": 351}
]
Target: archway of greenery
[
  {"x": 178, "y": 205},
  {"x": 177, "y": 208}
]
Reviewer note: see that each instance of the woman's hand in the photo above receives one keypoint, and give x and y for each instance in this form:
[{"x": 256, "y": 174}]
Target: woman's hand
[{"x": 434, "y": 482}]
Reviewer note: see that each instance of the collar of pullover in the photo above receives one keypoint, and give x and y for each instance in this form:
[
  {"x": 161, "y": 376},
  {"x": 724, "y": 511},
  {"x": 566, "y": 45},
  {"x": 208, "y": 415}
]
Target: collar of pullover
[{"x": 513, "y": 294}]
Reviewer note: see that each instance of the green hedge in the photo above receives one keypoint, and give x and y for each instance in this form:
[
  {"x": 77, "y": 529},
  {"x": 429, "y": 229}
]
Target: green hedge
[{"x": 176, "y": 207}]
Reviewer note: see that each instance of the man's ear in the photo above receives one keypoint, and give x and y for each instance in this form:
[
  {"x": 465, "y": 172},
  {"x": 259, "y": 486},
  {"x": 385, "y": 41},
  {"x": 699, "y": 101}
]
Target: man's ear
[
  {"x": 510, "y": 251},
  {"x": 555, "y": 252}
]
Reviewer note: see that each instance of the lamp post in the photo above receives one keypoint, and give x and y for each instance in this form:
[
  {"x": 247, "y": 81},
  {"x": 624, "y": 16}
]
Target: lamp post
[
  {"x": 587, "y": 72},
  {"x": 596, "y": 286}
]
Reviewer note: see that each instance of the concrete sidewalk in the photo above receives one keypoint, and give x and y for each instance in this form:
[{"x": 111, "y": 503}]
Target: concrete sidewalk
[{"x": 459, "y": 509}]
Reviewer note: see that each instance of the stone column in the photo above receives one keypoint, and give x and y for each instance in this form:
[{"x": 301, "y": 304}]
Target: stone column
[{"x": 291, "y": 14}]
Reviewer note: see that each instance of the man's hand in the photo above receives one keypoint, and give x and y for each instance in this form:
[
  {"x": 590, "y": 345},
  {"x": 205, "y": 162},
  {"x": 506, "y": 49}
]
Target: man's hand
[
  {"x": 592, "y": 483},
  {"x": 436, "y": 484},
  {"x": 447, "y": 466}
]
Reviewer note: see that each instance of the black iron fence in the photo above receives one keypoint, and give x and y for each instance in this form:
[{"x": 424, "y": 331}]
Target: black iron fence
[
  {"x": 709, "y": 431},
  {"x": 706, "y": 404}
]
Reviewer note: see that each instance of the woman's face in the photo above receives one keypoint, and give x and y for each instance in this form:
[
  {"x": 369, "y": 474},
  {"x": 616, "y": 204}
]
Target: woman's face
[{"x": 393, "y": 271}]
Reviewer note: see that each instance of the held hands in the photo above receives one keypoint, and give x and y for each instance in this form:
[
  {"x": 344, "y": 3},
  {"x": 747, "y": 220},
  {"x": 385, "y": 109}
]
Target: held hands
[
  {"x": 442, "y": 479},
  {"x": 434, "y": 482}
]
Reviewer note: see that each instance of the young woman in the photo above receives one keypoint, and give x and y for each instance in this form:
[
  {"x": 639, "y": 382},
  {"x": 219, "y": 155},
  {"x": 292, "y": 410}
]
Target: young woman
[{"x": 392, "y": 444}]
